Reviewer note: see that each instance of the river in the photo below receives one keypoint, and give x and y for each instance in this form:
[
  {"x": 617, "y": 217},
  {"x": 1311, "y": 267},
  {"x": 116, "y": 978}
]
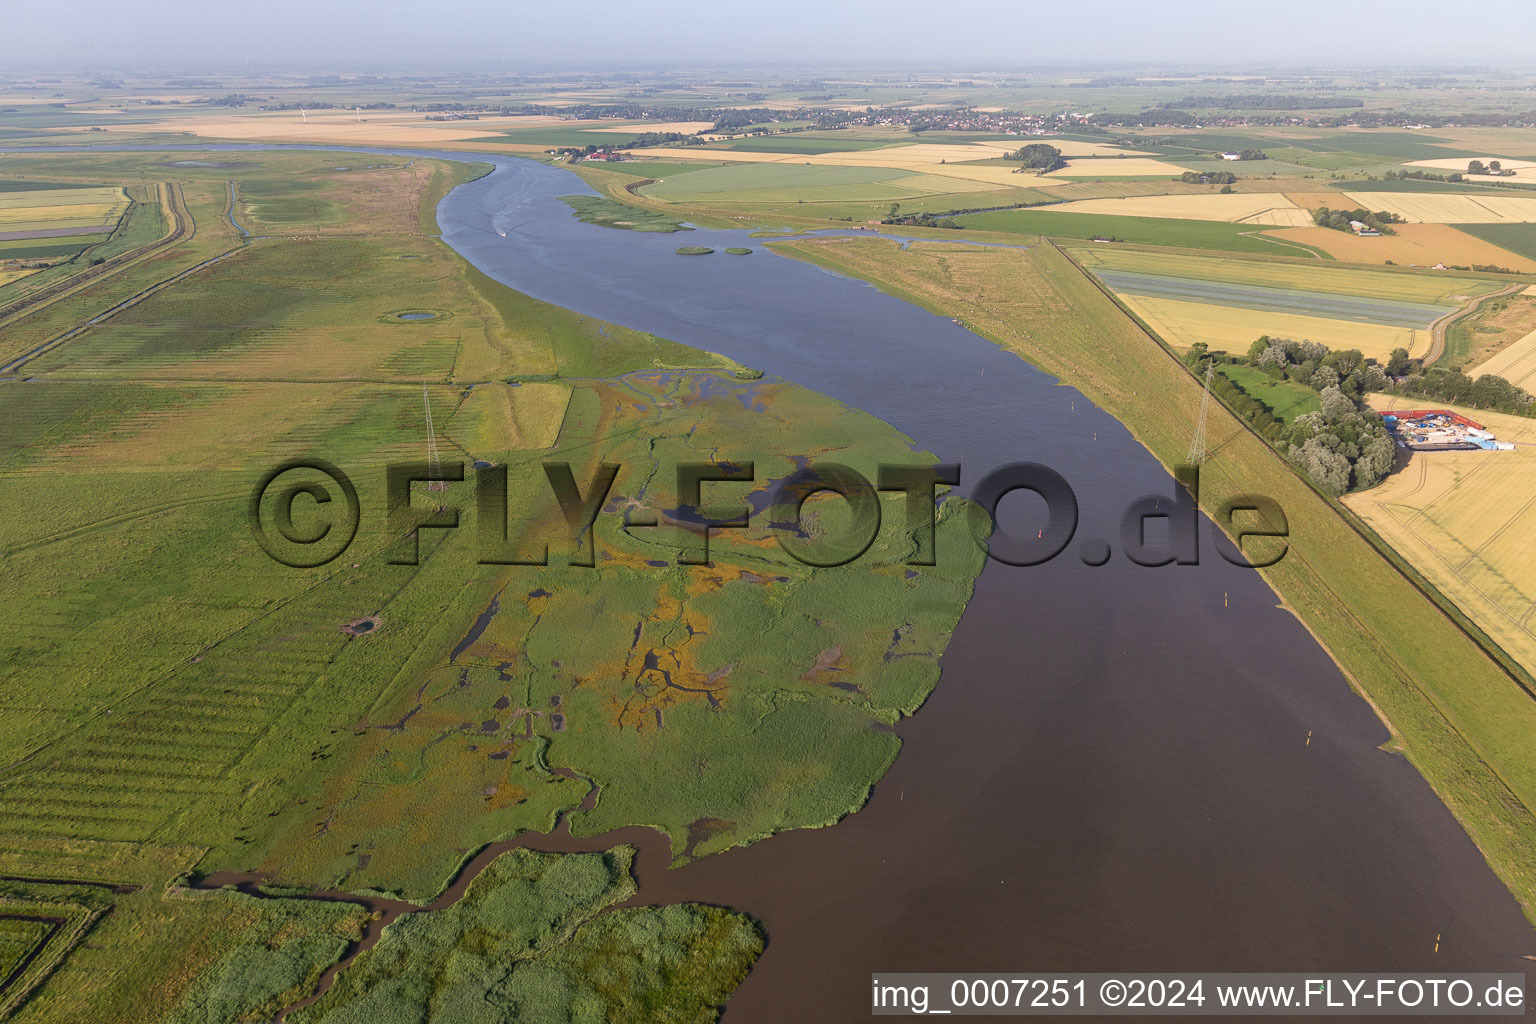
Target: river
[
  {"x": 1122, "y": 768},
  {"x": 1115, "y": 770}
]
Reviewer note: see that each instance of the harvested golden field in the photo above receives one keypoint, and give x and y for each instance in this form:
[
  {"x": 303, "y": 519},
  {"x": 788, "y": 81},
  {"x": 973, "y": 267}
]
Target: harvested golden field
[
  {"x": 1182, "y": 323},
  {"x": 1414, "y": 245},
  {"x": 1467, "y": 521},
  {"x": 1448, "y": 208},
  {"x": 1312, "y": 200},
  {"x": 1525, "y": 170},
  {"x": 1127, "y": 167},
  {"x": 1516, "y": 363},
  {"x": 1234, "y": 208}
]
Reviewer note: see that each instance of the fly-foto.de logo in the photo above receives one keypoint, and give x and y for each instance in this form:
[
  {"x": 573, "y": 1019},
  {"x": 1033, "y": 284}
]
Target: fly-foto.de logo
[{"x": 305, "y": 513}]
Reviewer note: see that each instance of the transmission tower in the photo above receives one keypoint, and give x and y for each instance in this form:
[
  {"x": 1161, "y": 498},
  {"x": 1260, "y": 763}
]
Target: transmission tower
[
  {"x": 434, "y": 463},
  {"x": 1197, "y": 446}
]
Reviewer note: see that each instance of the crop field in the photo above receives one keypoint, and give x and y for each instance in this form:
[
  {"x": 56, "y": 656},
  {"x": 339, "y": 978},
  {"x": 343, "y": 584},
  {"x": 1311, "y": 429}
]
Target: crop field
[
  {"x": 1187, "y": 234},
  {"x": 799, "y": 144},
  {"x": 1516, "y": 363},
  {"x": 1258, "y": 208},
  {"x": 1386, "y": 312},
  {"x": 1413, "y": 245},
  {"x": 1467, "y": 520},
  {"x": 1525, "y": 170},
  {"x": 780, "y": 183},
  {"x": 50, "y": 223},
  {"x": 156, "y": 723},
  {"x": 1117, "y": 167},
  {"x": 1182, "y": 323},
  {"x": 1515, "y": 238},
  {"x": 972, "y": 161},
  {"x": 1497, "y": 324},
  {"x": 1455, "y": 715},
  {"x": 1445, "y": 208},
  {"x": 1397, "y": 286}
]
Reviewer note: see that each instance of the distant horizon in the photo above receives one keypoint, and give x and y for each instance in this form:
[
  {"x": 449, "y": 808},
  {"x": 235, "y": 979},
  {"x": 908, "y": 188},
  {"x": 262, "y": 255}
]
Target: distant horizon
[
  {"x": 843, "y": 69},
  {"x": 680, "y": 33}
]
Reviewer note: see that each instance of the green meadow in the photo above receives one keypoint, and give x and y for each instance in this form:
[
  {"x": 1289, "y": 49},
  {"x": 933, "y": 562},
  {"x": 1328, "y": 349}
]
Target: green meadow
[
  {"x": 160, "y": 722},
  {"x": 1187, "y": 234}
]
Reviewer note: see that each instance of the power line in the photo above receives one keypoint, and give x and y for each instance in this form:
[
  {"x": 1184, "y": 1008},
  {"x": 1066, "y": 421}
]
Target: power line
[{"x": 1197, "y": 451}]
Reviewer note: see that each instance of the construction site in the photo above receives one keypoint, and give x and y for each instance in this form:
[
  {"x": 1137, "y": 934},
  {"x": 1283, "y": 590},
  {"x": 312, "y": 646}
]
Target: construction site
[{"x": 1440, "y": 430}]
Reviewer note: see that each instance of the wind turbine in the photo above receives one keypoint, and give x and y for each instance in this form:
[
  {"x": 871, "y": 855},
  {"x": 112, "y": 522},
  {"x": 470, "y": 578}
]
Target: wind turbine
[
  {"x": 304, "y": 114},
  {"x": 359, "y": 112}
]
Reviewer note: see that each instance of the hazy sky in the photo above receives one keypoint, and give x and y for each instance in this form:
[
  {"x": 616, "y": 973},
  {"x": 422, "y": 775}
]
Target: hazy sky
[{"x": 716, "y": 32}]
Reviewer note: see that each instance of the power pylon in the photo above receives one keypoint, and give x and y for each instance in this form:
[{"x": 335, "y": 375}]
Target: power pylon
[
  {"x": 434, "y": 463},
  {"x": 1197, "y": 445}
]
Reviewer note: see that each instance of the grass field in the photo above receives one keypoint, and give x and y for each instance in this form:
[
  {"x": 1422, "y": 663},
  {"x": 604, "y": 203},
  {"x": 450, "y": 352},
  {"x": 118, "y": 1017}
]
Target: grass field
[
  {"x": 1189, "y": 234},
  {"x": 610, "y": 213},
  {"x": 227, "y": 721},
  {"x": 810, "y": 183},
  {"x": 527, "y": 943},
  {"x": 1467, "y": 520},
  {"x": 495, "y": 417},
  {"x": 1283, "y": 399},
  {"x": 1516, "y": 238},
  {"x": 1453, "y": 712}
]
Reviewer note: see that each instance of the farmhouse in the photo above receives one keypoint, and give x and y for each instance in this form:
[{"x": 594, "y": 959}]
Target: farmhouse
[
  {"x": 1231, "y": 156},
  {"x": 1363, "y": 229}
]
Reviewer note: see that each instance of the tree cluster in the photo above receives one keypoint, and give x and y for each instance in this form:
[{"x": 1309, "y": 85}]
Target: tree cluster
[
  {"x": 1493, "y": 167},
  {"x": 1038, "y": 155},
  {"x": 1417, "y": 175},
  {"x": 1453, "y": 386},
  {"x": 1208, "y": 177},
  {"x": 1343, "y": 446},
  {"x": 1340, "y": 220}
]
